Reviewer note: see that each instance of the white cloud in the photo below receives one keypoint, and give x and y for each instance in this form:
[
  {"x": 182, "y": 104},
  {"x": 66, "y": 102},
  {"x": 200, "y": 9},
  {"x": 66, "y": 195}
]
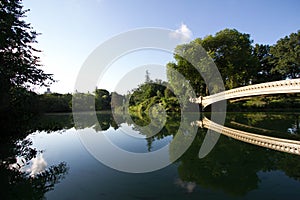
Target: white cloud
[
  {"x": 183, "y": 33},
  {"x": 38, "y": 165},
  {"x": 189, "y": 186}
]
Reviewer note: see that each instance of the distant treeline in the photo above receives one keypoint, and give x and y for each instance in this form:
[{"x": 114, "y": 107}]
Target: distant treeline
[{"x": 99, "y": 100}]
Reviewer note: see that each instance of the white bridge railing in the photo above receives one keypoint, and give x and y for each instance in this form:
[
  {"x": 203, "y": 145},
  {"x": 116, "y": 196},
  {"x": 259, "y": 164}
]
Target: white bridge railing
[
  {"x": 276, "y": 87},
  {"x": 284, "y": 145}
]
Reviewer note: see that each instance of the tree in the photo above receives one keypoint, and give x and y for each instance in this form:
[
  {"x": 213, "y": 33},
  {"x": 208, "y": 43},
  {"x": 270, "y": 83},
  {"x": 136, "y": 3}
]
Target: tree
[
  {"x": 19, "y": 63},
  {"x": 102, "y": 99},
  {"x": 286, "y": 54},
  {"x": 83, "y": 102},
  {"x": 117, "y": 100},
  {"x": 184, "y": 54},
  {"x": 147, "y": 90},
  {"x": 232, "y": 53},
  {"x": 55, "y": 102},
  {"x": 229, "y": 49},
  {"x": 265, "y": 69}
]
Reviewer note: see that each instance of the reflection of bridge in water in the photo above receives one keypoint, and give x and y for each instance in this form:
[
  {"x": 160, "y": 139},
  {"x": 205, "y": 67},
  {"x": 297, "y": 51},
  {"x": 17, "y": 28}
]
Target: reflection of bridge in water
[
  {"x": 276, "y": 87},
  {"x": 285, "y": 145}
]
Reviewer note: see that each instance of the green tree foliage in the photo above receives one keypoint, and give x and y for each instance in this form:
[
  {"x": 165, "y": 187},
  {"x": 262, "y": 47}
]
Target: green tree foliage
[
  {"x": 21, "y": 101},
  {"x": 286, "y": 54},
  {"x": 195, "y": 52},
  {"x": 230, "y": 50},
  {"x": 145, "y": 92},
  {"x": 117, "y": 101},
  {"x": 232, "y": 53},
  {"x": 83, "y": 102},
  {"x": 19, "y": 65},
  {"x": 150, "y": 93},
  {"x": 102, "y": 99},
  {"x": 182, "y": 87},
  {"x": 55, "y": 103},
  {"x": 265, "y": 69}
]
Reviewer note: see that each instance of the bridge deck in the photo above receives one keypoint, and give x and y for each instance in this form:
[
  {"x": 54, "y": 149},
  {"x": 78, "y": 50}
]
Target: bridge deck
[{"x": 276, "y": 87}]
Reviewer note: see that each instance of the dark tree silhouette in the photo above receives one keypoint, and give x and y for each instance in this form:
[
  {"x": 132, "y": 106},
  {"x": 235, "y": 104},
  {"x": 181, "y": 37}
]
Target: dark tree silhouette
[{"x": 19, "y": 63}]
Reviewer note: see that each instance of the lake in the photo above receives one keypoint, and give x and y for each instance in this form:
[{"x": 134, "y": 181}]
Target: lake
[{"x": 52, "y": 160}]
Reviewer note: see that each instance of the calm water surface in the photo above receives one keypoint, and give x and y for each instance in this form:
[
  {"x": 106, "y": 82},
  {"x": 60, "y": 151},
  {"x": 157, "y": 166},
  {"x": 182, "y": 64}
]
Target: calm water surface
[{"x": 232, "y": 170}]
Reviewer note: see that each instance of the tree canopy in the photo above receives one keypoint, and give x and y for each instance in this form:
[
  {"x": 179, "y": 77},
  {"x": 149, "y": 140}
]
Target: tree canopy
[
  {"x": 286, "y": 54},
  {"x": 265, "y": 69},
  {"x": 19, "y": 64},
  {"x": 229, "y": 49},
  {"x": 238, "y": 60}
]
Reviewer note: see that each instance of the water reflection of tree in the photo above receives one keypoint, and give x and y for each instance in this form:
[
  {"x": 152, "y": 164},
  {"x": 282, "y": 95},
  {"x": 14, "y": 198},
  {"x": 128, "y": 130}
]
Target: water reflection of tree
[
  {"x": 63, "y": 121},
  {"x": 283, "y": 125},
  {"x": 101, "y": 122},
  {"x": 295, "y": 126},
  {"x": 152, "y": 129},
  {"x": 18, "y": 184},
  {"x": 233, "y": 166},
  {"x": 105, "y": 121}
]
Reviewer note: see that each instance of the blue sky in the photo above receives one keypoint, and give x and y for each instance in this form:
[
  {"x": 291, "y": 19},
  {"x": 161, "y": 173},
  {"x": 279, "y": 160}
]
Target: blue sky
[{"x": 72, "y": 29}]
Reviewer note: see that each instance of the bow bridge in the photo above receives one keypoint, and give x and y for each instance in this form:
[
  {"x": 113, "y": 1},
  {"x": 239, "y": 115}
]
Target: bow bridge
[
  {"x": 276, "y": 87},
  {"x": 284, "y": 145}
]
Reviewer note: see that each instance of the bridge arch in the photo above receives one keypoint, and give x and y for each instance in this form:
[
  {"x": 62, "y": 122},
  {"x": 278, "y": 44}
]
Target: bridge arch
[
  {"x": 276, "y": 87},
  {"x": 278, "y": 144}
]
